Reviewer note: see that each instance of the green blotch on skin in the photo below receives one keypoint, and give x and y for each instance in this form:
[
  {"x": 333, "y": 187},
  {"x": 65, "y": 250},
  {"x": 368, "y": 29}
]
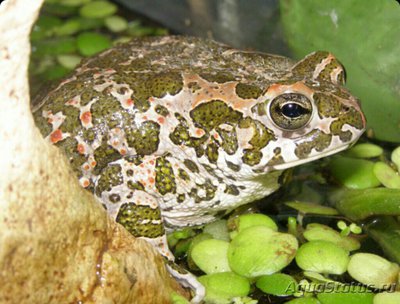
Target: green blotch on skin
[
  {"x": 135, "y": 185},
  {"x": 328, "y": 106},
  {"x": 69, "y": 146},
  {"x": 181, "y": 136},
  {"x": 181, "y": 198},
  {"x": 277, "y": 159},
  {"x": 210, "y": 115},
  {"x": 193, "y": 86},
  {"x": 87, "y": 94},
  {"x": 144, "y": 139},
  {"x": 208, "y": 188},
  {"x": 133, "y": 217},
  {"x": 161, "y": 84},
  {"x": 134, "y": 159},
  {"x": 191, "y": 165},
  {"x": 229, "y": 140},
  {"x": 110, "y": 177},
  {"x": 318, "y": 140},
  {"x": 114, "y": 198},
  {"x": 104, "y": 155},
  {"x": 232, "y": 166},
  {"x": 104, "y": 110},
  {"x": 165, "y": 178},
  {"x": 251, "y": 157},
  {"x": 72, "y": 121},
  {"x": 163, "y": 111},
  {"x": 308, "y": 64},
  {"x": 248, "y": 91},
  {"x": 211, "y": 171},
  {"x": 217, "y": 77},
  {"x": 156, "y": 85},
  {"x": 232, "y": 189},
  {"x": 183, "y": 175},
  {"x": 41, "y": 122},
  {"x": 262, "y": 136},
  {"x": 212, "y": 152},
  {"x": 88, "y": 134}
]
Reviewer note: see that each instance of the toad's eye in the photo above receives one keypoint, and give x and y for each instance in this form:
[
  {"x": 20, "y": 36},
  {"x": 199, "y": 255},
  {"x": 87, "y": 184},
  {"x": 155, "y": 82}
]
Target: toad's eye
[{"x": 290, "y": 111}]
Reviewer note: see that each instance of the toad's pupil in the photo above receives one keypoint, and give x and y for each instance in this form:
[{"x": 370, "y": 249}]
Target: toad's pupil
[{"x": 293, "y": 110}]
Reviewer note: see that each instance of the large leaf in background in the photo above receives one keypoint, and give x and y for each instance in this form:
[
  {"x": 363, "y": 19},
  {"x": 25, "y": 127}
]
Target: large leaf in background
[{"x": 365, "y": 36}]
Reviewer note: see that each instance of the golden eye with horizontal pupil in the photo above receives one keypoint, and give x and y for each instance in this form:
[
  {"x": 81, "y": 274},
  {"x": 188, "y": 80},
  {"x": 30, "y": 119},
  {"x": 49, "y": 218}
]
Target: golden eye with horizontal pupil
[{"x": 290, "y": 111}]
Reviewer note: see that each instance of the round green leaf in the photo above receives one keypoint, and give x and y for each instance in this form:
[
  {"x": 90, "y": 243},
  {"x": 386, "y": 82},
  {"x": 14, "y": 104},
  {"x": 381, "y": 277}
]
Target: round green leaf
[
  {"x": 386, "y": 175},
  {"x": 224, "y": 286},
  {"x": 211, "y": 256},
  {"x": 322, "y": 257},
  {"x": 319, "y": 232},
  {"x": 116, "y": 23},
  {"x": 345, "y": 297},
  {"x": 278, "y": 284},
  {"x": 354, "y": 173},
  {"x": 387, "y": 298},
  {"x": 98, "y": 9},
  {"x": 70, "y": 27},
  {"x": 307, "y": 208},
  {"x": 395, "y": 157},
  {"x": 92, "y": 43},
  {"x": 259, "y": 250},
  {"x": 373, "y": 270},
  {"x": 218, "y": 230},
  {"x": 365, "y": 151},
  {"x": 69, "y": 61}
]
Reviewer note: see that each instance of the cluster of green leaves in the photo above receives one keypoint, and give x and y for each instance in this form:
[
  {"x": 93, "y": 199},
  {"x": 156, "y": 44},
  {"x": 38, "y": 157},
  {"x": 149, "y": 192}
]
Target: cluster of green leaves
[
  {"x": 69, "y": 30},
  {"x": 248, "y": 252}
]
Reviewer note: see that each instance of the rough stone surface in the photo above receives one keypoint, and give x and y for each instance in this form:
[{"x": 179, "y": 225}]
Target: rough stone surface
[{"x": 57, "y": 244}]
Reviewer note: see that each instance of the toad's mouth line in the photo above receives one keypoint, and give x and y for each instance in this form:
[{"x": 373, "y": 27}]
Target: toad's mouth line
[{"x": 306, "y": 160}]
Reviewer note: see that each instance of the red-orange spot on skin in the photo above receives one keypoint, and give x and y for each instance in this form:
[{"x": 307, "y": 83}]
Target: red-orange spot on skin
[
  {"x": 161, "y": 120},
  {"x": 115, "y": 143},
  {"x": 141, "y": 165},
  {"x": 215, "y": 135},
  {"x": 151, "y": 99},
  {"x": 199, "y": 132},
  {"x": 148, "y": 171},
  {"x": 86, "y": 118},
  {"x": 81, "y": 148},
  {"x": 151, "y": 180},
  {"x": 122, "y": 151},
  {"x": 129, "y": 102},
  {"x": 86, "y": 184},
  {"x": 56, "y": 136},
  {"x": 93, "y": 164},
  {"x": 151, "y": 162},
  {"x": 86, "y": 167}
]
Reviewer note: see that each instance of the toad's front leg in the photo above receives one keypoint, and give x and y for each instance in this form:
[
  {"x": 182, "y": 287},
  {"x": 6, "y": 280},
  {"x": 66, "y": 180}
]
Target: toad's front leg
[{"x": 125, "y": 197}]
